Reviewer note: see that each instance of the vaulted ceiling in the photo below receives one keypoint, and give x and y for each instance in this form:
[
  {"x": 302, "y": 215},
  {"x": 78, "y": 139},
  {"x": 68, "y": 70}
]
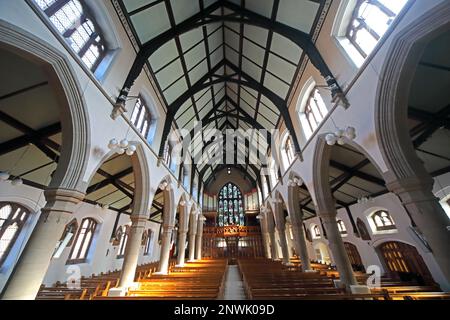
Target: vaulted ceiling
[{"x": 211, "y": 64}]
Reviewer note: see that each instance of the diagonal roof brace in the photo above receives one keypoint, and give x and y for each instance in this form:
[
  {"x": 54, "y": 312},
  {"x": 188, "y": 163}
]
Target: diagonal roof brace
[
  {"x": 249, "y": 82},
  {"x": 244, "y": 16}
]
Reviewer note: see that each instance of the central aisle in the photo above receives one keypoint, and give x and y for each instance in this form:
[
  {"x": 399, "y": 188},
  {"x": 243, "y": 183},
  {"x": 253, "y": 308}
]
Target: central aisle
[{"x": 234, "y": 287}]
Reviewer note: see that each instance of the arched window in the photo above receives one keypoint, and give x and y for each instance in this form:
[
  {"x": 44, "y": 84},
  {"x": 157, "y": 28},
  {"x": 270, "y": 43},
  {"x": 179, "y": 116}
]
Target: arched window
[
  {"x": 67, "y": 238},
  {"x": 316, "y": 232},
  {"x": 185, "y": 177},
  {"x": 12, "y": 220},
  {"x": 147, "y": 240},
  {"x": 231, "y": 206},
  {"x": 383, "y": 221},
  {"x": 341, "y": 227},
  {"x": 273, "y": 173},
  {"x": 168, "y": 154},
  {"x": 83, "y": 241},
  {"x": 122, "y": 236},
  {"x": 141, "y": 118},
  {"x": 315, "y": 111},
  {"x": 78, "y": 27},
  {"x": 288, "y": 149},
  {"x": 405, "y": 261},
  {"x": 265, "y": 187},
  {"x": 370, "y": 21}
]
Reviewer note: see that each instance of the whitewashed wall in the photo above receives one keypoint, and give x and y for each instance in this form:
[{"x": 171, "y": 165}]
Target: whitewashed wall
[{"x": 99, "y": 94}]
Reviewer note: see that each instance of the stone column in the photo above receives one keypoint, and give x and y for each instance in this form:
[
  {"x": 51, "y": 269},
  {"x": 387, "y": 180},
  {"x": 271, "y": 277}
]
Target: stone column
[
  {"x": 429, "y": 216},
  {"x": 32, "y": 266},
  {"x": 273, "y": 245},
  {"x": 192, "y": 236},
  {"x": 347, "y": 277},
  {"x": 266, "y": 244},
  {"x": 283, "y": 243},
  {"x": 300, "y": 245},
  {"x": 289, "y": 241},
  {"x": 265, "y": 238},
  {"x": 182, "y": 235},
  {"x": 280, "y": 225},
  {"x": 130, "y": 260},
  {"x": 165, "y": 250},
  {"x": 199, "y": 238}
]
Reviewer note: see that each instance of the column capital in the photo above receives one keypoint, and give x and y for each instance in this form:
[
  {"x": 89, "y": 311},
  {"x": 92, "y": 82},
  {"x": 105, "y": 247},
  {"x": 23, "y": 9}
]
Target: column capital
[
  {"x": 412, "y": 189},
  {"x": 138, "y": 220},
  {"x": 62, "y": 200},
  {"x": 297, "y": 223},
  {"x": 168, "y": 228},
  {"x": 328, "y": 216}
]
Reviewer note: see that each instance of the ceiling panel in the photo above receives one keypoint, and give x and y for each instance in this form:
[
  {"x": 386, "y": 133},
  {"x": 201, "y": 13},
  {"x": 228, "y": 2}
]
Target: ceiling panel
[{"x": 276, "y": 60}]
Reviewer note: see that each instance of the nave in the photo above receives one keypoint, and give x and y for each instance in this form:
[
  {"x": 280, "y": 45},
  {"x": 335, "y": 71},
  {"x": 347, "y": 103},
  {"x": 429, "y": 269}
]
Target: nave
[
  {"x": 262, "y": 279},
  {"x": 151, "y": 148}
]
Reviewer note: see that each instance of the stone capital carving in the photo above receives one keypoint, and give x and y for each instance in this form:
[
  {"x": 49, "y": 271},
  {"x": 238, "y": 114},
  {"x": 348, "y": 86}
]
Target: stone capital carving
[
  {"x": 62, "y": 200},
  {"x": 138, "y": 221}
]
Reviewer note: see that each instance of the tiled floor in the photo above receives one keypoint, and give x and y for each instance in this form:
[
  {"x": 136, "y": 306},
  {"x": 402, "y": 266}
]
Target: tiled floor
[{"x": 234, "y": 287}]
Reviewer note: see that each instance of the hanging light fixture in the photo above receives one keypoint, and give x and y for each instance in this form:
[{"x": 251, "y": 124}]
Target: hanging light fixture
[
  {"x": 122, "y": 147},
  {"x": 276, "y": 200},
  {"x": 295, "y": 182},
  {"x": 17, "y": 182},
  {"x": 164, "y": 186},
  {"x": 4, "y": 176},
  {"x": 340, "y": 135}
]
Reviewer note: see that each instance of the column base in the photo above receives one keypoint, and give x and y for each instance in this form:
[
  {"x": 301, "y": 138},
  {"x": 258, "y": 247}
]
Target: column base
[
  {"x": 179, "y": 265},
  {"x": 338, "y": 284},
  {"x": 311, "y": 271},
  {"x": 358, "y": 289},
  {"x": 122, "y": 291},
  {"x": 192, "y": 261},
  {"x": 288, "y": 264},
  {"x": 161, "y": 273},
  {"x": 117, "y": 292}
]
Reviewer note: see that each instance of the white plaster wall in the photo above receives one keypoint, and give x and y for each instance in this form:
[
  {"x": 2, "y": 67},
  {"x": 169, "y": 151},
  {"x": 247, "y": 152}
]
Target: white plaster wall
[
  {"x": 360, "y": 88},
  {"x": 102, "y": 255},
  {"x": 99, "y": 96},
  {"x": 366, "y": 249}
]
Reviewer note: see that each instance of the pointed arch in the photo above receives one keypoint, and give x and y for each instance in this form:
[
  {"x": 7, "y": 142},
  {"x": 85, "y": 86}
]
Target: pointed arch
[{"x": 75, "y": 121}]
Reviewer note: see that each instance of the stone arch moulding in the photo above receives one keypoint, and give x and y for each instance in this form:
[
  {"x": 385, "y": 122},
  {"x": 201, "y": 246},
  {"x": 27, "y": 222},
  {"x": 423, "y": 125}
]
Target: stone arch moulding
[
  {"x": 75, "y": 120},
  {"x": 170, "y": 206},
  {"x": 324, "y": 198},
  {"x": 293, "y": 203},
  {"x": 141, "y": 201},
  {"x": 393, "y": 92},
  {"x": 322, "y": 155}
]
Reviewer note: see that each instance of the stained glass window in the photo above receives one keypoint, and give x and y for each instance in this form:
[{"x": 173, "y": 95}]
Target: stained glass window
[{"x": 231, "y": 206}]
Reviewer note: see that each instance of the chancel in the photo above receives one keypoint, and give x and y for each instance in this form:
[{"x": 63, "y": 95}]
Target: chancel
[{"x": 224, "y": 150}]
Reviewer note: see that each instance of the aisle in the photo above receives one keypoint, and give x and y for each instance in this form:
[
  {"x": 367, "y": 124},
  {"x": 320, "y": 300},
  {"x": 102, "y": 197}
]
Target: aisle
[{"x": 234, "y": 287}]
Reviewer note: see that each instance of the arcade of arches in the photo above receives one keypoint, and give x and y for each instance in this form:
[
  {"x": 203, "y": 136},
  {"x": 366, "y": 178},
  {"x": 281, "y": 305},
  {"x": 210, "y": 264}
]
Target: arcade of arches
[{"x": 149, "y": 149}]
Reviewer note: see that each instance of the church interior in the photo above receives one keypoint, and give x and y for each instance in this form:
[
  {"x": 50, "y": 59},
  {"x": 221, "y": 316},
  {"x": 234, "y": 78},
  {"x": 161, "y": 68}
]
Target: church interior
[{"x": 225, "y": 150}]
